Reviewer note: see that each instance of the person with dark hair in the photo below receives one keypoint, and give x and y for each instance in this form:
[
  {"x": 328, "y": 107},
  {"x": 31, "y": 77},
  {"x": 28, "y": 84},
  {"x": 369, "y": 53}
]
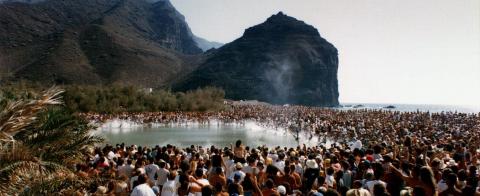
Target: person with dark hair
[
  {"x": 442, "y": 184},
  {"x": 198, "y": 182},
  {"x": 235, "y": 187},
  {"x": 380, "y": 190},
  {"x": 470, "y": 191},
  {"x": 208, "y": 190},
  {"x": 332, "y": 192},
  {"x": 311, "y": 173},
  {"x": 330, "y": 178},
  {"x": 239, "y": 152},
  {"x": 418, "y": 191},
  {"x": 142, "y": 189},
  {"x": 423, "y": 178},
  {"x": 378, "y": 172},
  {"x": 250, "y": 186},
  {"x": 162, "y": 174},
  {"x": 218, "y": 177},
  {"x": 170, "y": 187},
  {"x": 451, "y": 190},
  {"x": 269, "y": 189},
  {"x": 220, "y": 191},
  {"x": 238, "y": 171},
  {"x": 151, "y": 169},
  {"x": 251, "y": 167},
  {"x": 357, "y": 190},
  {"x": 296, "y": 177}
]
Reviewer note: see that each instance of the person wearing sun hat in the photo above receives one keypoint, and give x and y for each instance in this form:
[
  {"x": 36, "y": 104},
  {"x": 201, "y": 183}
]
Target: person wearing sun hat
[
  {"x": 311, "y": 164},
  {"x": 282, "y": 190},
  {"x": 311, "y": 172},
  {"x": 238, "y": 171}
]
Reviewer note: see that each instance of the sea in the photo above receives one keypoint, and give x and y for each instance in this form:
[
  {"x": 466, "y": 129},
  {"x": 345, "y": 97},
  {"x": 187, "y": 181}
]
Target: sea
[{"x": 412, "y": 107}]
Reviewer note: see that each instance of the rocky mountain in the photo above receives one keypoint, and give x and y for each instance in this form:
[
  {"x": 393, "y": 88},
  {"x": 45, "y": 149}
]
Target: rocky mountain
[
  {"x": 131, "y": 42},
  {"x": 148, "y": 43},
  {"x": 282, "y": 60}
]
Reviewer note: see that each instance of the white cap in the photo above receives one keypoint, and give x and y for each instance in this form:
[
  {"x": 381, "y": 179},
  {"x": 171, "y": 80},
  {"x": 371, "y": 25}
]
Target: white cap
[{"x": 282, "y": 190}]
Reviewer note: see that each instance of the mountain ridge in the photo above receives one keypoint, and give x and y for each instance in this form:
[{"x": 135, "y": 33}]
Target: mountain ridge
[
  {"x": 149, "y": 44},
  {"x": 282, "y": 61}
]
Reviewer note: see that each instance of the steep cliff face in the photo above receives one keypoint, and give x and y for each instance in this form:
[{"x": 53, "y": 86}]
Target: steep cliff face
[
  {"x": 132, "y": 42},
  {"x": 282, "y": 60},
  {"x": 148, "y": 43}
]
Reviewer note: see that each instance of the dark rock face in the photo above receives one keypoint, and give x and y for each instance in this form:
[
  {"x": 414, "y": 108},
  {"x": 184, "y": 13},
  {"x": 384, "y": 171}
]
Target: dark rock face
[
  {"x": 171, "y": 29},
  {"x": 282, "y": 61},
  {"x": 148, "y": 43},
  {"x": 133, "y": 42}
]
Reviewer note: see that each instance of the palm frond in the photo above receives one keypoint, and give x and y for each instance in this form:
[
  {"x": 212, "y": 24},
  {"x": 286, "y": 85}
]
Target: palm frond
[
  {"x": 18, "y": 176},
  {"x": 59, "y": 135},
  {"x": 20, "y": 114}
]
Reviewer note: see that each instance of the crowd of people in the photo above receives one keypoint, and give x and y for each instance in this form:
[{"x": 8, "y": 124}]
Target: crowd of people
[{"x": 376, "y": 153}]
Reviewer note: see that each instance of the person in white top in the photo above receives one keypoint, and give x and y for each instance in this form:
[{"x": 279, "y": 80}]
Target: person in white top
[
  {"x": 239, "y": 172},
  {"x": 197, "y": 183},
  {"x": 170, "y": 187},
  {"x": 280, "y": 163},
  {"x": 230, "y": 164},
  {"x": 371, "y": 184},
  {"x": 125, "y": 169},
  {"x": 329, "y": 179},
  {"x": 151, "y": 169},
  {"x": 142, "y": 189},
  {"x": 251, "y": 167},
  {"x": 162, "y": 174}
]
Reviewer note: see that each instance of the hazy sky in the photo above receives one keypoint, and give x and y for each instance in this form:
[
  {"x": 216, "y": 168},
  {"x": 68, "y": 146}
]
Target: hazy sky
[{"x": 390, "y": 51}]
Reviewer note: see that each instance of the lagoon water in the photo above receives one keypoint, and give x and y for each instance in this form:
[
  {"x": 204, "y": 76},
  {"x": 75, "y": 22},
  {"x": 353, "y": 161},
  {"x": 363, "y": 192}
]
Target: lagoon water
[
  {"x": 184, "y": 135},
  {"x": 220, "y": 134}
]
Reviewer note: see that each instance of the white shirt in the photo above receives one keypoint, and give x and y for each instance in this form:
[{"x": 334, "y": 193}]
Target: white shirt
[
  {"x": 203, "y": 182},
  {"x": 162, "y": 175},
  {"x": 329, "y": 180},
  {"x": 442, "y": 186},
  {"x": 280, "y": 165},
  {"x": 126, "y": 170},
  {"x": 151, "y": 169},
  {"x": 110, "y": 155},
  {"x": 299, "y": 169},
  {"x": 143, "y": 190},
  {"x": 242, "y": 175},
  {"x": 249, "y": 169},
  {"x": 170, "y": 188},
  {"x": 230, "y": 167}
]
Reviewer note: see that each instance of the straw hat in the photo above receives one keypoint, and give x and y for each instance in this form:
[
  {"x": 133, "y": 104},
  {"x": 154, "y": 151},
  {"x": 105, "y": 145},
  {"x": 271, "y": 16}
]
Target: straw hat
[
  {"x": 101, "y": 190},
  {"x": 239, "y": 165},
  {"x": 311, "y": 164}
]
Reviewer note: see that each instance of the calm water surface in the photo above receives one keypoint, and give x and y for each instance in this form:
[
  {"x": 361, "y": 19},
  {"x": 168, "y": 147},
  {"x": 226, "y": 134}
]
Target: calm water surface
[{"x": 217, "y": 134}]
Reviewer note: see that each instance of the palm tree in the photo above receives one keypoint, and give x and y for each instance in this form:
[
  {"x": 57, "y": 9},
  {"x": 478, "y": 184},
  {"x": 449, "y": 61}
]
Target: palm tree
[{"x": 41, "y": 143}]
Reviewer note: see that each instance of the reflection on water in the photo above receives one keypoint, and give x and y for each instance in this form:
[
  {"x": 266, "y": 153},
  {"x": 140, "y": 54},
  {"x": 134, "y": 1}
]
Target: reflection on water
[{"x": 186, "y": 134}]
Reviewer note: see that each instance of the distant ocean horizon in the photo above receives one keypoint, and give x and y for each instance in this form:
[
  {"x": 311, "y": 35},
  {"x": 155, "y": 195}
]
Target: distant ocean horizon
[{"x": 433, "y": 108}]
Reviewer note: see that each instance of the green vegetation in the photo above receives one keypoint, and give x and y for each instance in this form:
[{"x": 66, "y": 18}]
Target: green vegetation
[
  {"x": 129, "y": 99},
  {"x": 39, "y": 143},
  {"x": 115, "y": 99}
]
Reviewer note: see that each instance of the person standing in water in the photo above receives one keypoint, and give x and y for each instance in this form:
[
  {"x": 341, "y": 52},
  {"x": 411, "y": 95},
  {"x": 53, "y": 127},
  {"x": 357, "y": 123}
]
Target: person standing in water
[{"x": 239, "y": 152}]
